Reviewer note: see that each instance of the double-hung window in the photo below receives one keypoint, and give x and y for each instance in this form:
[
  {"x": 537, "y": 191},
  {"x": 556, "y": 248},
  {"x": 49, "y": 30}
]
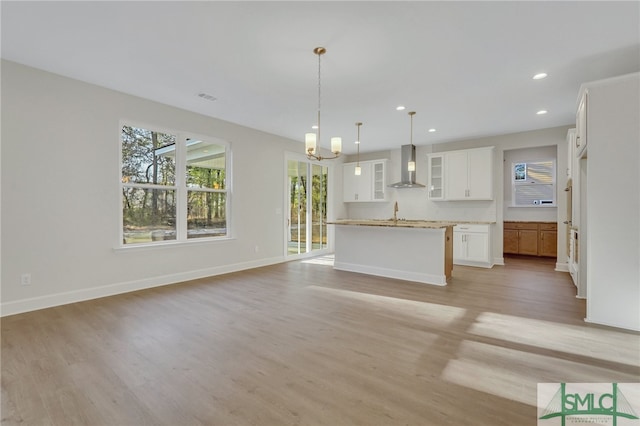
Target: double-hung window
[
  {"x": 174, "y": 186},
  {"x": 534, "y": 184}
]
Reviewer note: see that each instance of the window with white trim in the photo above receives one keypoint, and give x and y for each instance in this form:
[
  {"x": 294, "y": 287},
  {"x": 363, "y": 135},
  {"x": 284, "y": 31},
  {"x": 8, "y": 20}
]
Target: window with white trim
[
  {"x": 534, "y": 183},
  {"x": 174, "y": 186}
]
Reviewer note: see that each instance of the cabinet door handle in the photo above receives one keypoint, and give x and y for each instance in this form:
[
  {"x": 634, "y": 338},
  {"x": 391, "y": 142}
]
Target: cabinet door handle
[{"x": 577, "y": 141}]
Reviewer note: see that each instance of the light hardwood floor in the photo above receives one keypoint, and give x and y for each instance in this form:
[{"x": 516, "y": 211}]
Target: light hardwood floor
[{"x": 301, "y": 344}]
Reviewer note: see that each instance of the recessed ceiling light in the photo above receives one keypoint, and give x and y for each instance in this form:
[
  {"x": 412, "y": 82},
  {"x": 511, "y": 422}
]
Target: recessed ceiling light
[
  {"x": 541, "y": 112},
  {"x": 540, "y": 76},
  {"x": 315, "y": 126},
  {"x": 432, "y": 130},
  {"x": 357, "y": 142},
  {"x": 400, "y": 108}
]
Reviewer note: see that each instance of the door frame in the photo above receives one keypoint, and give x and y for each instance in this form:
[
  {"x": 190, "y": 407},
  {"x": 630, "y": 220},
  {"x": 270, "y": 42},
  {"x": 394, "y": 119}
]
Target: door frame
[{"x": 294, "y": 156}]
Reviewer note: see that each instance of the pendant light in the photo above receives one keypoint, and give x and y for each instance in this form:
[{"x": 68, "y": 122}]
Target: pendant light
[
  {"x": 312, "y": 139},
  {"x": 408, "y": 163},
  {"x": 358, "y": 169},
  {"x": 411, "y": 165}
]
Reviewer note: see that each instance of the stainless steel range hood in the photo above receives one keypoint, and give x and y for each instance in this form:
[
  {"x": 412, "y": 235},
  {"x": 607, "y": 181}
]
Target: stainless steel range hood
[{"x": 407, "y": 178}]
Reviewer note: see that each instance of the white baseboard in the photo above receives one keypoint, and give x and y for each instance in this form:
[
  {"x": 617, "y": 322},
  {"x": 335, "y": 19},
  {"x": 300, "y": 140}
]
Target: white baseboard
[
  {"x": 471, "y": 263},
  {"x": 608, "y": 324},
  {"x": 392, "y": 273},
  {"x": 48, "y": 301},
  {"x": 498, "y": 261},
  {"x": 562, "y": 267}
]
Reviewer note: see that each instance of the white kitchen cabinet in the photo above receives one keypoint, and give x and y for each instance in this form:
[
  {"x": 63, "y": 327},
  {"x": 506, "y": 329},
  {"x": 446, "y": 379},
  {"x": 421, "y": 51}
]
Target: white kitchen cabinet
[
  {"x": 379, "y": 171},
  {"x": 436, "y": 176},
  {"x": 370, "y": 185},
  {"x": 457, "y": 175},
  {"x": 461, "y": 175},
  {"x": 573, "y": 256},
  {"x": 469, "y": 174},
  {"x": 580, "y": 142},
  {"x": 471, "y": 245},
  {"x": 571, "y": 140},
  {"x": 356, "y": 188}
]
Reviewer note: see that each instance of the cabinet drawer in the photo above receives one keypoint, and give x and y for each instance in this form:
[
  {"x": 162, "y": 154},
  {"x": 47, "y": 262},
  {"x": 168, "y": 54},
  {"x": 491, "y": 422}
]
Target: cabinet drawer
[
  {"x": 521, "y": 225},
  {"x": 471, "y": 228},
  {"x": 548, "y": 226}
]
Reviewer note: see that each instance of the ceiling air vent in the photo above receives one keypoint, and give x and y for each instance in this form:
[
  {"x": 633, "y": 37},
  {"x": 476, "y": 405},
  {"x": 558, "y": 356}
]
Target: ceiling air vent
[{"x": 207, "y": 96}]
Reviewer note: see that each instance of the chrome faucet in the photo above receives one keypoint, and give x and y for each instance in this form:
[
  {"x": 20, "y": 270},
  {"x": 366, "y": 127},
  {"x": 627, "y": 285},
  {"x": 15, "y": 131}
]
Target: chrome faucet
[{"x": 395, "y": 212}]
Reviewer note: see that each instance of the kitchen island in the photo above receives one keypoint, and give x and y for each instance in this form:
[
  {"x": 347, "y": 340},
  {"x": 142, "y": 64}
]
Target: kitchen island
[{"x": 413, "y": 250}]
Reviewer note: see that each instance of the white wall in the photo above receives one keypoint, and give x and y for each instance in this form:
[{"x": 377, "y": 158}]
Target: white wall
[
  {"x": 414, "y": 203},
  {"x": 61, "y": 200},
  {"x": 613, "y": 202}
]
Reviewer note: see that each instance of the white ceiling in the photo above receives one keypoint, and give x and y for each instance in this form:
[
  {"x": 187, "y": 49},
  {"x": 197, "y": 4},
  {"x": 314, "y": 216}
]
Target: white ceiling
[{"x": 465, "y": 67}]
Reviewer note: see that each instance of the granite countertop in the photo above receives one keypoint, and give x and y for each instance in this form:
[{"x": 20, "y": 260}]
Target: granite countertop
[
  {"x": 406, "y": 223},
  {"x": 528, "y": 221},
  {"x": 400, "y": 223},
  {"x": 471, "y": 222}
]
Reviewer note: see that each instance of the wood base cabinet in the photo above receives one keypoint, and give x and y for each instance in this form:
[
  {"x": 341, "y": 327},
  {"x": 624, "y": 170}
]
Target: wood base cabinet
[
  {"x": 530, "y": 238},
  {"x": 548, "y": 240}
]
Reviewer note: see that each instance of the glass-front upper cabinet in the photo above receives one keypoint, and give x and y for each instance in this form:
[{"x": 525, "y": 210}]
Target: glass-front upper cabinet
[
  {"x": 370, "y": 185},
  {"x": 379, "y": 181},
  {"x": 436, "y": 176}
]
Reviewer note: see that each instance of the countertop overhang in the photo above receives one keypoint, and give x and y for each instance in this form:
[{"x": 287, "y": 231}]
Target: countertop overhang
[
  {"x": 405, "y": 223},
  {"x": 400, "y": 223}
]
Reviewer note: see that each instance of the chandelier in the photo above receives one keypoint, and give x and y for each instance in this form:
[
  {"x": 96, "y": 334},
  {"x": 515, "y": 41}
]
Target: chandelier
[{"x": 312, "y": 139}]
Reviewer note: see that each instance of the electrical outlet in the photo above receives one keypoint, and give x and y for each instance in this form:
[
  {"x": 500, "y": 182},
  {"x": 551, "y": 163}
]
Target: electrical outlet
[
  {"x": 256, "y": 249},
  {"x": 25, "y": 279}
]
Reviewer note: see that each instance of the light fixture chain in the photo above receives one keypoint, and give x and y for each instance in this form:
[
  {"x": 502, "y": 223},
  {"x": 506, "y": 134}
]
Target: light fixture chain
[
  {"x": 411, "y": 136},
  {"x": 411, "y": 114},
  {"x": 358, "y": 147},
  {"x": 319, "y": 97}
]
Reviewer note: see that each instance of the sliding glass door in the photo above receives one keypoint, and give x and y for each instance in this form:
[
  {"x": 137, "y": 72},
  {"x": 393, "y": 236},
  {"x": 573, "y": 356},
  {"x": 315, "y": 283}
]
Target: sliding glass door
[
  {"x": 307, "y": 207},
  {"x": 297, "y": 221}
]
